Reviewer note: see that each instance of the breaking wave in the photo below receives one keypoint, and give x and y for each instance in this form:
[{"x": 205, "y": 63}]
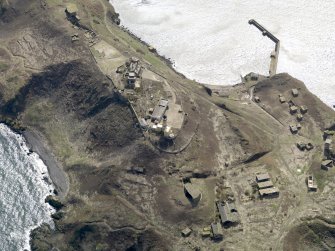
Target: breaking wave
[
  {"x": 211, "y": 41},
  {"x": 25, "y": 183}
]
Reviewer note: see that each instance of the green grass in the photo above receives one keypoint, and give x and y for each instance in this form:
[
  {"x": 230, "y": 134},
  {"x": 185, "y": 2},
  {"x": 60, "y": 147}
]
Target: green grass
[
  {"x": 3, "y": 67},
  {"x": 59, "y": 139},
  {"x": 321, "y": 179},
  {"x": 54, "y": 2},
  {"x": 13, "y": 79},
  {"x": 96, "y": 53},
  {"x": 38, "y": 113}
]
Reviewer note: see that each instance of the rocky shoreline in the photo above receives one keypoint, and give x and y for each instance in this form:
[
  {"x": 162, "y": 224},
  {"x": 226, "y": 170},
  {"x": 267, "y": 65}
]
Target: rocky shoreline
[{"x": 57, "y": 175}]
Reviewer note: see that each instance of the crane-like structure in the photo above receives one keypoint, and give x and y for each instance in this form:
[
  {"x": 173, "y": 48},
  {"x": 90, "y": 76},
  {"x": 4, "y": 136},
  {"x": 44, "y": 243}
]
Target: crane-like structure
[{"x": 275, "y": 53}]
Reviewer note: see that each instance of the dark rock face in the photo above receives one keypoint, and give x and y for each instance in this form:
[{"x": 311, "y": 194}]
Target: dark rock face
[
  {"x": 78, "y": 90},
  {"x": 316, "y": 234},
  {"x": 76, "y": 85},
  {"x": 98, "y": 236},
  {"x": 39, "y": 238},
  {"x": 54, "y": 202}
]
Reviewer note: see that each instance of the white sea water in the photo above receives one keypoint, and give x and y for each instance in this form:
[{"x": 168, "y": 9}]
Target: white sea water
[
  {"x": 212, "y": 42},
  {"x": 22, "y": 192}
]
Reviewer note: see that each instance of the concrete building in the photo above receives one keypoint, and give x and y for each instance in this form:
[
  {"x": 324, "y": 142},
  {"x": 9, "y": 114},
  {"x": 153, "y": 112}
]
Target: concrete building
[
  {"x": 228, "y": 213},
  {"x": 265, "y": 184},
  {"x": 192, "y": 192},
  {"x": 282, "y": 99},
  {"x": 293, "y": 129},
  {"x": 300, "y": 117},
  {"x": 132, "y": 72},
  {"x": 295, "y": 92},
  {"x": 262, "y": 177},
  {"x": 186, "y": 232},
  {"x": 327, "y": 164},
  {"x": 135, "y": 66},
  {"x": 303, "y": 109},
  {"x": 206, "y": 232},
  {"x": 254, "y": 76},
  {"x": 311, "y": 185},
  {"x": 217, "y": 231},
  {"x": 168, "y": 133},
  {"x": 160, "y": 110},
  {"x": 143, "y": 123},
  {"x": 328, "y": 142},
  {"x": 293, "y": 109},
  {"x": 131, "y": 80},
  {"x": 269, "y": 192}
]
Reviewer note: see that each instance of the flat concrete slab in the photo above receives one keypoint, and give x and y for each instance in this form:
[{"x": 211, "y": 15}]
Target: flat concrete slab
[
  {"x": 107, "y": 57},
  {"x": 174, "y": 117}
]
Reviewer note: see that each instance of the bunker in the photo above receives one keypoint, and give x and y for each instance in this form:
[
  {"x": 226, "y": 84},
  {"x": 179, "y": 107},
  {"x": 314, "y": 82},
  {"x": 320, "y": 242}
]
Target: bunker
[
  {"x": 72, "y": 13},
  {"x": 327, "y": 164},
  {"x": 282, "y": 99},
  {"x": 293, "y": 109},
  {"x": 192, "y": 192},
  {"x": 295, "y": 92},
  {"x": 186, "y": 232},
  {"x": 217, "y": 231},
  {"x": 293, "y": 129}
]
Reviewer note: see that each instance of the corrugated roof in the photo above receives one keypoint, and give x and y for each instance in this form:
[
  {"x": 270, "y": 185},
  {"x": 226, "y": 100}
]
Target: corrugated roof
[
  {"x": 228, "y": 212},
  {"x": 262, "y": 176},
  {"x": 163, "y": 102},
  {"x": 265, "y": 184},
  {"x": 268, "y": 191}
]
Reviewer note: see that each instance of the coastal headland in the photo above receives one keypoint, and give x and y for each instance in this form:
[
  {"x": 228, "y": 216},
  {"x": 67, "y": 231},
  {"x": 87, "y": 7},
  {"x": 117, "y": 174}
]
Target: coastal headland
[{"x": 143, "y": 158}]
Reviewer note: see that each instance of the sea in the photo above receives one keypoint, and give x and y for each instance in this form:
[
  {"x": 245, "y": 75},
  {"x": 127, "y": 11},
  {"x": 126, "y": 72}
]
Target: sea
[
  {"x": 24, "y": 184},
  {"x": 211, "y": 41}
]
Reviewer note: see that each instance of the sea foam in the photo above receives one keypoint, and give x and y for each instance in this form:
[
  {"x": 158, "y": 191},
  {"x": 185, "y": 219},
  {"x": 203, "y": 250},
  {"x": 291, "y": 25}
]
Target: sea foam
[
  {"x": 212, "y": 42},
  {"x": 22, "y": 193}
]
